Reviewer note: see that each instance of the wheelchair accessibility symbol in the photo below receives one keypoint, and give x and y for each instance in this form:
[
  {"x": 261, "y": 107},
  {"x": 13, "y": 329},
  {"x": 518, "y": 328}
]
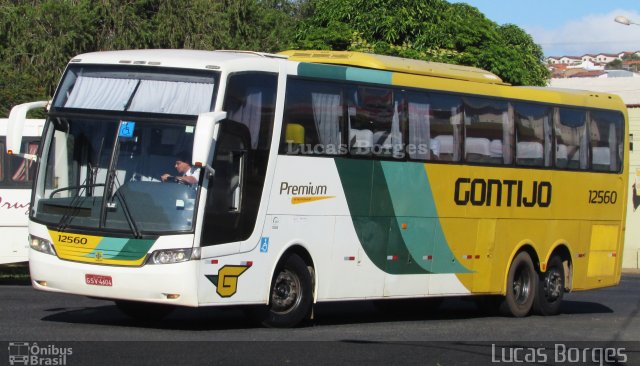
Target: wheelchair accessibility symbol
[
  {"x": 264, "y": 244},
  {"x": 126, "y": 128}
]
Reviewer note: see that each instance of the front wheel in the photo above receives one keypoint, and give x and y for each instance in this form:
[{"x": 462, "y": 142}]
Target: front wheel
[
  {"x": 550, "y": 288},
  {"x": 291, "y": 295},
  {"x": 522, "y": 282}
]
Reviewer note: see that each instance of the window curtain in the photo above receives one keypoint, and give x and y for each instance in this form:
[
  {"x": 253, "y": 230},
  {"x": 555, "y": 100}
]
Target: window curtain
[
  {"x": 170, "y": 97},
  {"x": 396, "y": 135},
  {"x": 456, "y": 121},
  {"x": 419, "y": 131},
  {"x": 613, "y": 145},
  {"x": 22, "y": 173},
  {"x": 507, "y": 134},
  {"x": 548, "y": 140},
  {"x": 101, "y": 93},
  {"x": 584, "y": 142},
  {"x": 250, "y": 114},
  {"x": 326, "y": 115}
]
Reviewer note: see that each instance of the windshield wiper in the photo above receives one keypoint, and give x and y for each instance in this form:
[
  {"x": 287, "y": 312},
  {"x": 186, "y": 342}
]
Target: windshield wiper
[
  {"x": 75, "y": 203},
  {"x": 128, "y": 216}
]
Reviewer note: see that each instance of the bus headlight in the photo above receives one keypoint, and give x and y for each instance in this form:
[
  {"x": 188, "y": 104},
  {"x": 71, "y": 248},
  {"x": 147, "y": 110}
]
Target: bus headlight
[
  {"x": 41, "y": 245},
  {"x": 168, "y": 256}
]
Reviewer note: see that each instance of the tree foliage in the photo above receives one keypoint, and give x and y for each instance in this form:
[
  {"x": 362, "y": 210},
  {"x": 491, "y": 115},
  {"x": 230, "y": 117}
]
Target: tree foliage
[
  {"x": 39, "y": 37},
  {"x": 432, "y": 30}
]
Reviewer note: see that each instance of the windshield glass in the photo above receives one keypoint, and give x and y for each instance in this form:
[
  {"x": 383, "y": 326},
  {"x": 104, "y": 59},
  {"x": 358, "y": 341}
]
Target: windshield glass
[{"x": 108, "y": 174}]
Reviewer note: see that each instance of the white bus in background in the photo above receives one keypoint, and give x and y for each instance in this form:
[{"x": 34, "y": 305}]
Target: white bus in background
[{"x": 16, "y": 178}]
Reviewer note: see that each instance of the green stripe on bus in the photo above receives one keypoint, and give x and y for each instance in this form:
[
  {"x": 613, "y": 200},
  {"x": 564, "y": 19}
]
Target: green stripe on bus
[
  {"x": 369, "y": 76},
  {"x": 414, "y": 206},
  {"x": 122, "y": 248},
  {"x": 381, "y": 197},
  {"x": 344, "y": 73},
  {"x": 322, "y": 71}
]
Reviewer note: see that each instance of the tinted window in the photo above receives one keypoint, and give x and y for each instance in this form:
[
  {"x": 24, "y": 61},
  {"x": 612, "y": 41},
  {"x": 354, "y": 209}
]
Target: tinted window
[
  {"x": 533, "y": 134},
  {"x": 488, "y": 131},
  {"x": 605, "y": 131},
  {"x": 571, "y": 138}
]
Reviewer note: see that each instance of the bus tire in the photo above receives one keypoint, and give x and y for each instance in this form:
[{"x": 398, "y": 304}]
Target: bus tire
[
  {"x": 290, "y": 296},
  {"x": 144, "y": 311},
  {"x": 550, "y": 288},
  {"x": 522, "y": 282}
]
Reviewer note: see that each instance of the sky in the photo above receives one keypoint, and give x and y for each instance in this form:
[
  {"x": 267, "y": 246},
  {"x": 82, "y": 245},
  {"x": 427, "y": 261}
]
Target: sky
[{"x": 569, "y": 27}]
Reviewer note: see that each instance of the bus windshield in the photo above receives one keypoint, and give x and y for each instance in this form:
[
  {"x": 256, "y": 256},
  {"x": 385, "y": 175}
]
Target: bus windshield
[{"x": 106, "y": 174}]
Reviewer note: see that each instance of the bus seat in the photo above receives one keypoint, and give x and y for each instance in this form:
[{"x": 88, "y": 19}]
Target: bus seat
[
  {"x": 495, "y": 148},
  {"x": 601, "y": 158},
  {"x": 561, "y": 152},
  {"x": 476, "y": 149},
  {"x": 294, "y": 133},
  {"x": 383, "y": 142},
  {"x": 529, "y": 153},
  {"x": 561, "y": 156},
  {"x": 434, "y": 144},
  {"x": 360, "y": 141},
  {"x": 446, "y": 143}
]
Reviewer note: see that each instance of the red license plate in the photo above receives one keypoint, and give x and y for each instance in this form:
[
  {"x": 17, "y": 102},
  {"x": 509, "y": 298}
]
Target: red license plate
[{"x": 98, "y": 280}]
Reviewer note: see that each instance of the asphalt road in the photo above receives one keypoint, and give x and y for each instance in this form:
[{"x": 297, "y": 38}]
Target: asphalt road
[{"x": 592, "y": 323}]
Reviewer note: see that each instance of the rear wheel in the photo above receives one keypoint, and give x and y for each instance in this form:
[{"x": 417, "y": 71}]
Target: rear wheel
[
  {"x": 291, "y": 294},
  {"x": 550, "y": 288},
  {"x": 522, "y": 282},
  {"x": 143, "y": 310}
]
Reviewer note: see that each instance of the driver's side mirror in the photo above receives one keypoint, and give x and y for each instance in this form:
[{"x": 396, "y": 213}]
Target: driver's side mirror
[
  {"x": 205, "y": 136},
  {"x": 15, "y": 127}
]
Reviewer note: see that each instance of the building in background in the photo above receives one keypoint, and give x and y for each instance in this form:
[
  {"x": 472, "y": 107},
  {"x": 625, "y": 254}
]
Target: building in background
[{"x": 627, "y": 86}]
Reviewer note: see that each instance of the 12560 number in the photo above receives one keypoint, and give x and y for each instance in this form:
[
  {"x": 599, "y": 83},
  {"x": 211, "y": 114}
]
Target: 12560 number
[
  {"x": 70, "y": 239},
  {"x": 603, "y": 197}
]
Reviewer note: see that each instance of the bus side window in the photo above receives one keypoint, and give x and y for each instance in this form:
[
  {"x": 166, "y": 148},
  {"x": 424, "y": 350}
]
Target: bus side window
[
  {"x": 571, "y": 139},
  {"x": 488, "y": 131},
  {"x": 374, "y": 122},
  {"x": 23, "y": 170},
  {"x": 313, "y": 115},
  {"x": 445, "y": 126},
  {"x": 605, "y": 131},
  {"x": 533, "y": 134}
]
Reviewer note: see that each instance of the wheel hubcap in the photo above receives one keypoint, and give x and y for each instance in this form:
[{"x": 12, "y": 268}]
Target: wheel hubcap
[
  {"x": 552, "y": 285},
  {"x": 286, "y": 292},
  {"x": 521, "y": 285}
]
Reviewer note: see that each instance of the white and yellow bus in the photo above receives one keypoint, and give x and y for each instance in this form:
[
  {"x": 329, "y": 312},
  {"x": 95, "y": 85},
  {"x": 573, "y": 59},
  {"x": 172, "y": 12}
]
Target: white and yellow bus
[
  {"x": 323, "y": 176},
  {"x": 16, "y": 178}
]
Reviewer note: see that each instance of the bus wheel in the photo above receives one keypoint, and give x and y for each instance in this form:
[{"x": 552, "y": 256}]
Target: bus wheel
[
  {"x": 290, "y": 297},
  {"x": 550, "y": 288},
  {"x": 143, "y": 310},
  {"x": 521, "y": 286}
]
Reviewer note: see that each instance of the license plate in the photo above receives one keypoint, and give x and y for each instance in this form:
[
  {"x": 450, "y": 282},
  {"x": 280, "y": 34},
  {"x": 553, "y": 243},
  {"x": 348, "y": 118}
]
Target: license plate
[{"x": 98, "y": 280}]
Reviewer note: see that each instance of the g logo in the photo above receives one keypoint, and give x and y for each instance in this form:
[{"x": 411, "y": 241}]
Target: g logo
[{"x": 226, "y": 281}]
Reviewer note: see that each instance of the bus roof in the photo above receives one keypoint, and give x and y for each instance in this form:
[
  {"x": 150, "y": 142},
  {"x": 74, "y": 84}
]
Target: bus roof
[
  {"x": 196, "y": 59},
  {"x": 397, "y": 64}
]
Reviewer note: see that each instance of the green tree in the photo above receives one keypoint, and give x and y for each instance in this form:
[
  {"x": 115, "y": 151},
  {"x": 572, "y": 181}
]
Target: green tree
[
  {"x": 614, "y": 65},
  {"x": 432, "y": 30},
  {"x": 39, "y": 37}
]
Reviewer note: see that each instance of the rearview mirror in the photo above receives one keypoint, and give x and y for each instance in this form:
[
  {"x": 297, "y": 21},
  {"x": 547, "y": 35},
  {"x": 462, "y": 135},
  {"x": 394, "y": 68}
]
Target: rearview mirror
[
  {"x": 17, "y": 119},
  {"x": 205, "y": 135}
]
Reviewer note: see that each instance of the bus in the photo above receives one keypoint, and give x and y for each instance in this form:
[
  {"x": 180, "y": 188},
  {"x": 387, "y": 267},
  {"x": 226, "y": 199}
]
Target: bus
[
  {"x": 16, "y": 178},
  {"x": 322, "y": 176}
]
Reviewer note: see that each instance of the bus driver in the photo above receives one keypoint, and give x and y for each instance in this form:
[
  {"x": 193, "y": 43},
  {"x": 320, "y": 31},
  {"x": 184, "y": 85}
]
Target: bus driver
[{"x": 188, "y": 174}]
